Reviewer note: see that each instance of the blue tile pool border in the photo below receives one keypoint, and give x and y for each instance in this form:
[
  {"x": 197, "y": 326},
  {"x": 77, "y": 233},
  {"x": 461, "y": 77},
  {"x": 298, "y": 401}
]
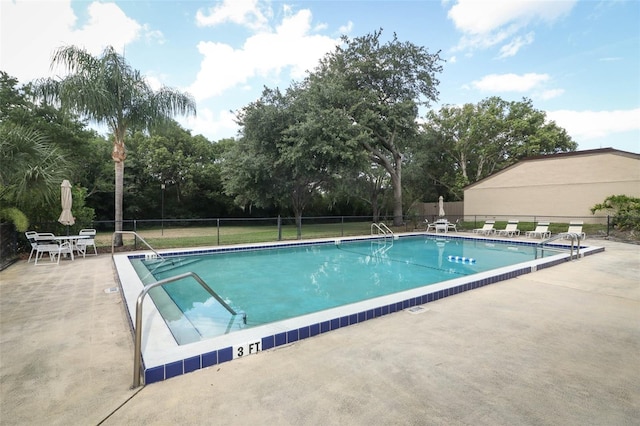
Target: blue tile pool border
[{"x": 178, "y": 367}]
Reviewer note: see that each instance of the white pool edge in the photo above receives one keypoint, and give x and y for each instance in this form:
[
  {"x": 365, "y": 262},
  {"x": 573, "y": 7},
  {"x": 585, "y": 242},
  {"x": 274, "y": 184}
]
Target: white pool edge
[{"x": 164, "y": 358}]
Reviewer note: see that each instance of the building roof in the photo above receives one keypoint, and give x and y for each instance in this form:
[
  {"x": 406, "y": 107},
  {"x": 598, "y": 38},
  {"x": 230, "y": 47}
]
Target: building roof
[{"x": 585, "y": 152}]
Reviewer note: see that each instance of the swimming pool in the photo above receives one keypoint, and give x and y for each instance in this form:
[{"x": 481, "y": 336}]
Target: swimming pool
[{"x": 380, "y": 276}]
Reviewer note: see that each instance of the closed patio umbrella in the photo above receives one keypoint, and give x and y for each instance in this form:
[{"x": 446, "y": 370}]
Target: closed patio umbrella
[
  {"x": 66, "y": 218},
  {"x": 441, "y": 206}
]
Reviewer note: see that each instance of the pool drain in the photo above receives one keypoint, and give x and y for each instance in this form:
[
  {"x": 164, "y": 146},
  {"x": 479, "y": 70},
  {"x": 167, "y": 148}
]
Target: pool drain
[{"x": 417, "y": 310}]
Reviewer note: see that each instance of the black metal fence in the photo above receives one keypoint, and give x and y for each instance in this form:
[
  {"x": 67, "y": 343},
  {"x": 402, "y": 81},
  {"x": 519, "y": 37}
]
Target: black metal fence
[
  {"x": 8, "y": 245},
  {"x": 221, "y": 231}
]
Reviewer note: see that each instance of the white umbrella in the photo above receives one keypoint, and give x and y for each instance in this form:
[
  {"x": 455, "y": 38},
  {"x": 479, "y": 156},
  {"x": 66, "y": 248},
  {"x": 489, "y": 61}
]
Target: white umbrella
[
  {"x": 66, "y": 218},
  {"x": 441, "y": 205}
]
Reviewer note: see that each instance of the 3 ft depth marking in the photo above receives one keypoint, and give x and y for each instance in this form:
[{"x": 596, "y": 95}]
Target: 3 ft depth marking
[{"x": 240, "y": 351}]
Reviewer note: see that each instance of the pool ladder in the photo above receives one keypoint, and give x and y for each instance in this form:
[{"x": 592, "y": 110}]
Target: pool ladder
[
  {"x": 113, "y": 243},
  {"x": 137, "y": 356},
  {"x": 575, "y": 242},
  {"x": 381, "y": 229}
]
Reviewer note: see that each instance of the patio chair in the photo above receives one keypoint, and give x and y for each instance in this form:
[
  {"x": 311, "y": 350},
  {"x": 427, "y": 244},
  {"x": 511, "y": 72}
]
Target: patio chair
[
  {"x": 575, "y": 227},
  {"x": 47, "y": 243},
  {"x": 430, "y": 226},
  {"x": 83, "y": 243},
  {"x": 542, "y": 231},
  {"x": 453, "y": 225},
  {"x": 510, "y": 230},
  {"x": 31, "y": 238},
  {"x": 441, "y": 225},
  {"x": 487, "y": 228}
]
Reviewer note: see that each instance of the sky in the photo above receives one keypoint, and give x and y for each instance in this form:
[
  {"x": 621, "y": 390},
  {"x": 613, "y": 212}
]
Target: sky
[{"x": 577, "y": 60}]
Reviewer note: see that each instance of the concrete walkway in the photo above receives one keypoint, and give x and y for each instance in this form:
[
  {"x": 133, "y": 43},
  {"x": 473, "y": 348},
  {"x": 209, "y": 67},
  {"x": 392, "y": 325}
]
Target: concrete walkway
[{"x": 557, "y": 347}]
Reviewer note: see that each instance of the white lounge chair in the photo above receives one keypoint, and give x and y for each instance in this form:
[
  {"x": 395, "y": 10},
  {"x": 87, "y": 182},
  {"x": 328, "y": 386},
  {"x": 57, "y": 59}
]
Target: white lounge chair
[
  {"x": 487, "y": 228},
  {"x": 542, "y": 231},
  {"x": 575, "y": 227},
  {"x": 83, "y": 243},
  {"x": 510, "y": 230}
]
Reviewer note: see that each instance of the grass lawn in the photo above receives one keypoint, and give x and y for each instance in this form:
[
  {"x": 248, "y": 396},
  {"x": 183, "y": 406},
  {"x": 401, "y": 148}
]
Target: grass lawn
[{"x": 213, "y": 236}]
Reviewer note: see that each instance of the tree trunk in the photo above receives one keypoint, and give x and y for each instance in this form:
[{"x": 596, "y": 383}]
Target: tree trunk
[
  {"x": 118, "y": 154},
  {"x": 299, "y": 224},
  {"x": 119, "y": 166},
  {"x": 395, "y": 171},
  {"x": 396, "y": 179},
  {"x": 374, "y": 205}
]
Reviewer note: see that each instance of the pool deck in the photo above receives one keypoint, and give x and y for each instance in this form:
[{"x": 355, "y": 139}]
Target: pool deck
[{"x": 558, "y": 346}]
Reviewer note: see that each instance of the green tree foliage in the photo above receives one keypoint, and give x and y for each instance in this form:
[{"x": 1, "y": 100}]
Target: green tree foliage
[
  {"x": 465, "y": 144},
  {"x": 290, "y": 150},
  {"x": 380, "y": 86},
  {"x": 189, "y": 168},
  {"x": 108, "y": 91},
  {"x": 30, "y": 176},
  {"x": 625, "y": 211},
  {"x": 33, "y": 164}
]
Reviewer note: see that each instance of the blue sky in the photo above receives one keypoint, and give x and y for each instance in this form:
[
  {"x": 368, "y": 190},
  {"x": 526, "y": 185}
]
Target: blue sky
[{"x": 579, "y": 61}]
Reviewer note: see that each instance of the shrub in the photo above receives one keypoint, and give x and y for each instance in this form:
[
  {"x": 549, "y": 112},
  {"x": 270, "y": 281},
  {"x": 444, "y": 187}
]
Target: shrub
[{"x": 625, "y": 211}]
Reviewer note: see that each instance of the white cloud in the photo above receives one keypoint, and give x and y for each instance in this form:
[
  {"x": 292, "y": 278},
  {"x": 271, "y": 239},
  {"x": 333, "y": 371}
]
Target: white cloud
[
  {"x": 265, "y": 54},
  {"x": 510, "y": 82},
  {"x": 511, "y": 48},
  {"x": 549, "y": 94},
  {"x": 32, "y": 31},
  {"x": 488, "y": 23},
  {"x": 346, "y": 29},
  {"x": 210, "y": 124},
  {"x": 596, "y": 124},
  {"x": 241, "y": 12},
  {"x": 484, "y": 17}
]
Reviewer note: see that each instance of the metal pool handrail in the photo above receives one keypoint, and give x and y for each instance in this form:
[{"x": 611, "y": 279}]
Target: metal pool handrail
[
  {"x": 113, "y": 242},
  {"x": 575, "y": 238},
  {"x": 382, "y": 229},
  {"x": 137, "y": 356}
]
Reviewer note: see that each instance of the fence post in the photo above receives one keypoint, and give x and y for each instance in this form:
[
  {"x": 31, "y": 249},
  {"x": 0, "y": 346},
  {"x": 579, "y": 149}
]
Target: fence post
[
  {"x": 218, "y": 229},
  {"x": 342, "y": 226},
  {"x": 135, "y": 238},
  {"x": 279, "y": 229},
  {"x": 608, "y": 224}
]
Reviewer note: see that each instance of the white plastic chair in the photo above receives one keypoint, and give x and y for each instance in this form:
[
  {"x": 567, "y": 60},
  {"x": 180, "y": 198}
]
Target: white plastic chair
[
  {"x": 46, "y": 243},
  {"x": 487, "y": 228},
  {"x": 430, "y": 226},
  {"x": 575, "y": 227},
  {"x": 542, "y": 230},
  {"x": 31, "y": 237},
  {"x": 510, "y": 230},
  {"x": 83, "y": 243}
]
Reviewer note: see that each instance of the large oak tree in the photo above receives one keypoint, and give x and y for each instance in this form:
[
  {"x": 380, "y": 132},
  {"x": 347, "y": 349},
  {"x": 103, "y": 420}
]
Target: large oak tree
[{"x": 380, "y": 87}]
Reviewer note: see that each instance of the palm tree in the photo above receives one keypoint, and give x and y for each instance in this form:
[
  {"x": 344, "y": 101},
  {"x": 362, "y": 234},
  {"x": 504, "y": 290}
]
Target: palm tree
[
  {"x": 108, "y": 91},
  {"x": 30, "y": 175}
]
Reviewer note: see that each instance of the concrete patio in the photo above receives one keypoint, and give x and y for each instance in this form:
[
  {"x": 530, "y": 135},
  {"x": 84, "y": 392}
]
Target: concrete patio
[{"x": 560, "y": 346}]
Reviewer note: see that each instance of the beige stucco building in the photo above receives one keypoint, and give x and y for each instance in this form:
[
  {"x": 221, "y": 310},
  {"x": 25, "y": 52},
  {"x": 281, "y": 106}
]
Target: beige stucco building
[{"x": 555, "y": 186}]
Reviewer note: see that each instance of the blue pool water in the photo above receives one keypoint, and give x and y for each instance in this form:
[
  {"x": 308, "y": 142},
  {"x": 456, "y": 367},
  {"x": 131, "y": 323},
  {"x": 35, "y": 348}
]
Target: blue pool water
[{"x": 270, "y": 285}]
